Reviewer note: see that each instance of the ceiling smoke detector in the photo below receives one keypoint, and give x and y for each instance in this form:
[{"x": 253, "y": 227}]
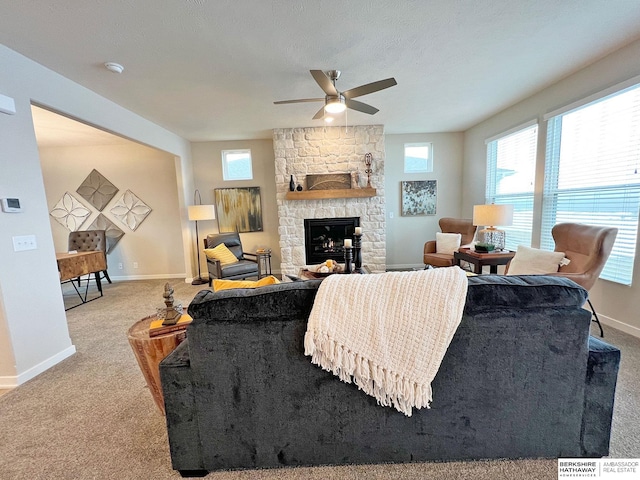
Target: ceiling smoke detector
[{"x": 114, "y": 67}]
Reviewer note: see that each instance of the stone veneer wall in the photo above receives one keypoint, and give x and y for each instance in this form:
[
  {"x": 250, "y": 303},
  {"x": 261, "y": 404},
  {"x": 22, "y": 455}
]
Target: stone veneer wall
[{"x": 317, "y": 150}]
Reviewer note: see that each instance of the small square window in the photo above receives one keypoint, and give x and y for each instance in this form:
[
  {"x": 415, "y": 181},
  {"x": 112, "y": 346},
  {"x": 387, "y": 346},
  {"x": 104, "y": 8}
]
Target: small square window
[
  {"x": 418, "y": 157},
  {"x": 236, "y": 165}
]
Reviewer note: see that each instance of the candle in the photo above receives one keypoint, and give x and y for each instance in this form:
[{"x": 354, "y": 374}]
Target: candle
[
  {"x": 347, "y": 243},
  {"x": 358, "y": 230}
]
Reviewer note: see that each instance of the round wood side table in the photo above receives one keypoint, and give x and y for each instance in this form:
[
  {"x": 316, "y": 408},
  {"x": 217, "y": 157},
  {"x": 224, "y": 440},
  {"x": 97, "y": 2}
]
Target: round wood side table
[{"x": 150, "y": 351}]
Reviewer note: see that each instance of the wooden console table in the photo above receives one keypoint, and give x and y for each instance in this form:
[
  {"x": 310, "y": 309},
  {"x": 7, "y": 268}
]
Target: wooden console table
[
  {"x": 150, "y": 351},
  {"x": 75, "y": 265},
  {"x": 479, "y": 260}
]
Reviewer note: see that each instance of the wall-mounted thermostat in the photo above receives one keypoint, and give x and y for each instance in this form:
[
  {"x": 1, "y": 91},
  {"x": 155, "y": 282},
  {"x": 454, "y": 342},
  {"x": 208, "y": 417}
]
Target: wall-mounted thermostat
[{"x": 11, "y": 205}]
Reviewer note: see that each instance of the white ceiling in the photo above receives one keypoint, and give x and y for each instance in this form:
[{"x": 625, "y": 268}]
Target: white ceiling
[{"x": 211, "y": 70}]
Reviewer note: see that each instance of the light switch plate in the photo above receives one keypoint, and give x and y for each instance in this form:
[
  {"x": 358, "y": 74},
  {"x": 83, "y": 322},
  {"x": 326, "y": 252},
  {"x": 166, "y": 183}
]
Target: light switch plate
[{"x": 24, "y": 242}]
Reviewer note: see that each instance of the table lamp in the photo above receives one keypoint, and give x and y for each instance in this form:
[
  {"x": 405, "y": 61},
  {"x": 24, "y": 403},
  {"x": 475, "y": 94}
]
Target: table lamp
[
  {"x": 196, "y": 213},
  {"x": 489, "y": 216}
]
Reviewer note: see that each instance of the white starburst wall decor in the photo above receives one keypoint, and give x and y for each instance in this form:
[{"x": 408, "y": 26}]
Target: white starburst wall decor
[
  {"x": 130, "y": 210},
  {"x": 69, "y": 212}
]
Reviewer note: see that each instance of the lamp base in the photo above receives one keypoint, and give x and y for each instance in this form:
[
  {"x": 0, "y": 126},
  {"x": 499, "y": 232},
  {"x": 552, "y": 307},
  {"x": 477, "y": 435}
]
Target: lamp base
[
  {"x": 492, "y": 236},
  {"x": 199, "y": 281}
]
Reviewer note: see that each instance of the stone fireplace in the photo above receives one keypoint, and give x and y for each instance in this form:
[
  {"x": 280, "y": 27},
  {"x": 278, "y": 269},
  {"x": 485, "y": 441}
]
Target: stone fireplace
[{"x": 321, "y": 150}]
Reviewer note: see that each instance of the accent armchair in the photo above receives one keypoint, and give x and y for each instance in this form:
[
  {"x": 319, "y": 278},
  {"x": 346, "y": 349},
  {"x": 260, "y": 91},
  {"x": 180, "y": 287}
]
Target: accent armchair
[
  {"x": 588, "y": 247},
  {"x": 465, "y": 227},
  {"x": 243, "y": 268}
]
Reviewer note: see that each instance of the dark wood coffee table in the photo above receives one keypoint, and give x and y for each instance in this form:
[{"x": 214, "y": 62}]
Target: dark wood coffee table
[
  {"x": 309, "y": 275},
  {"x": 479, "y": 260}
]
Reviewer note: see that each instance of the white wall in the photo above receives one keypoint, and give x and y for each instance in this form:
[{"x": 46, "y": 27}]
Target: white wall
[
  {"x": 156, "y": 245},
  {"x": 617, "y": 302},
  {"x": 33, "y": 329},
  {"x": 406, "y": 235}
]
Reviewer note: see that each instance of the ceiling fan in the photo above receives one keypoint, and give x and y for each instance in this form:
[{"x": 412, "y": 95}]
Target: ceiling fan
[{"x": 336, "y": 101}]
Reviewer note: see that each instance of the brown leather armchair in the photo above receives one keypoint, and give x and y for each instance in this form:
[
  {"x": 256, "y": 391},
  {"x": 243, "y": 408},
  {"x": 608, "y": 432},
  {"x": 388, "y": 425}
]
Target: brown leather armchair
[
  {"x": 90, "y": 241},
  {"x": 465, "y": 227},
  {"x": 588, "y": 247},
  {"x": 243, "y": 268}
]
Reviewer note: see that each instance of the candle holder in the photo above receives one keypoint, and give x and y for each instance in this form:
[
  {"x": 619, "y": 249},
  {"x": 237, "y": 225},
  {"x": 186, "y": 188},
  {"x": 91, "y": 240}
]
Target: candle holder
[
  {"x": 357, "y": 244},
  {"x": 348, "y": 256},
  {"x": 368, "y": 159}
]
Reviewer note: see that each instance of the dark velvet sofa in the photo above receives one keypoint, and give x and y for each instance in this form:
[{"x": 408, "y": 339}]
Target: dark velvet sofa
[{"x": 522, "y": 378}]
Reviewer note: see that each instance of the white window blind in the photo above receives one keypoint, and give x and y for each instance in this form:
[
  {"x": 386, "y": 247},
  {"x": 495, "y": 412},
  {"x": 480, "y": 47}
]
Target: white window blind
[
  {"x": 591, "y": 174},
  {"x": 511, "y": 166}
]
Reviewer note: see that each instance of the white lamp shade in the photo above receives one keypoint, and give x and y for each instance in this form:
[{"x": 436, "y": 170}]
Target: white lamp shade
[
  {"x": 493, "y": 215},
  {"x": 202, "y": 212}
]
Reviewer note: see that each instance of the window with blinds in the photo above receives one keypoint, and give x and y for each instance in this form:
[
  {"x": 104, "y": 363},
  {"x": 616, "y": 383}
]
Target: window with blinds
[
  {"x": 591, "y": 174},
  {"x": 511, "y": 168}
]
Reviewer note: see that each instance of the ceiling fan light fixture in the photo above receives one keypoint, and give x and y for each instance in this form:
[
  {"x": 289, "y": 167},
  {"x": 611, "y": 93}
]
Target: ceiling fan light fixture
[{"x": 335, "y": 105}]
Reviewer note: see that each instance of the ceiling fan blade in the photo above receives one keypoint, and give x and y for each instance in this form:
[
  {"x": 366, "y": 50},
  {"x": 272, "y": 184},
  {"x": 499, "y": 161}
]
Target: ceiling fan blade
[
  {"x": 319, "y": 114},
  {"x": 325, "y": 82},
  {"x": 369, "y": 88},
  {"x": 361, "y": 107},
  {"x": 302, "y": 100}
]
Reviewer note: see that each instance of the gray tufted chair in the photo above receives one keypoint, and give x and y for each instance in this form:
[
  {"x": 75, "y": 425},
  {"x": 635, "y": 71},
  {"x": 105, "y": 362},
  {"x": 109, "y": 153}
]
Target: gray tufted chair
[
  {"x": 90, "y": 241},
  {"x": 243, "y": 268}
]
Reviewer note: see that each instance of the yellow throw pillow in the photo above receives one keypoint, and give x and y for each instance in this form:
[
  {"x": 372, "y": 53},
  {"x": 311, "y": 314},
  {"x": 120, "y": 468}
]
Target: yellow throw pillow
[
  {"x": 222, "y": 253},
  {"x": 229, "y": 284}
]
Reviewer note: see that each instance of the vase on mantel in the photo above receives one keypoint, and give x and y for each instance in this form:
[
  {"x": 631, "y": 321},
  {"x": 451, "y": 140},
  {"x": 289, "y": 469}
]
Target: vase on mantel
[{"x": 292, "y": 185}]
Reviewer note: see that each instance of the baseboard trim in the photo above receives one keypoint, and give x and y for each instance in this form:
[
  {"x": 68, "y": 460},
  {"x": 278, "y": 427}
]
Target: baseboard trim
[
  {"x": 14, "y": 381},
  {"x": 618, "y": 325}
]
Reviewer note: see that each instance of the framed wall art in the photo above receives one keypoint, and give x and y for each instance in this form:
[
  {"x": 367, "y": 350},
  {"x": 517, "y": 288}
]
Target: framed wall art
[
  {"x": 419, "y": 197},
  {"x": 239, "y": 209}
]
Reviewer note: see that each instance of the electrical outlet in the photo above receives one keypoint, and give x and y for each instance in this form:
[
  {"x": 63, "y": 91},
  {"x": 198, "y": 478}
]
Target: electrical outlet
[
  {"x": 120, "y": 266},
  {"x": 135, "y": 264},
  {"x": 24, "y": 242}
]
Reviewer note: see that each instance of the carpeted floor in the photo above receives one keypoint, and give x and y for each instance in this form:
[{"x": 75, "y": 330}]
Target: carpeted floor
[{"x": 92, "y": 417}]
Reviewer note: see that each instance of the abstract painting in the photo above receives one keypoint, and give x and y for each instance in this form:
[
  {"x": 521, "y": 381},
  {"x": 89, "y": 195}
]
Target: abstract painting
[
  {"x": 113, "y": 233},
  {"x": 97, "y": 190},
  {"x": 69, "y": 212},
  {"x": 239, "y": 209},
  {"x": 419, "y": 197},
  {"x": 130, "y": 210}
]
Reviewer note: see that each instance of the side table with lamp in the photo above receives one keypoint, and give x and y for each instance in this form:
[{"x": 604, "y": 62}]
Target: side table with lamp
[
  {"x": 490, "y": 249},
  {"x": 490, "y": 216}
]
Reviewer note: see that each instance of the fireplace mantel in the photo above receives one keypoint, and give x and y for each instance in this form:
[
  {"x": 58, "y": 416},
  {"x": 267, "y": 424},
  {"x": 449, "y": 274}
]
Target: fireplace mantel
[{"x": 337, "y": 193}]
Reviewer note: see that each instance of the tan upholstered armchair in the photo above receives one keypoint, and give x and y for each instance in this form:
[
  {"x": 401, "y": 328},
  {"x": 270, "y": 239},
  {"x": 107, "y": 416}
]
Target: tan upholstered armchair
[
  {"x": 465, "y": 227},
  {"x": 588, "y": 247},
  {"x": 246, "y": 266}
]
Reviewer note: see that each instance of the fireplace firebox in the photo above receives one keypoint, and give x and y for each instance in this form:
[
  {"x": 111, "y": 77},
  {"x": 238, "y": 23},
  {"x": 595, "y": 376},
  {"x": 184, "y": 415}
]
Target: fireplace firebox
[{"x": 324, "y": 238}]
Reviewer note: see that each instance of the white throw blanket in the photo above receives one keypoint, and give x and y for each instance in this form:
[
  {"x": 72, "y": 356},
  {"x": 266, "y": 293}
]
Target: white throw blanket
[{"x": 389, "y": 332}]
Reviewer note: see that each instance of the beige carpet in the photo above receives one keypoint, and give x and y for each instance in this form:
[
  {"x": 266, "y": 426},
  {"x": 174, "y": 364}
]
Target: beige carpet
[{"x": 92, "y": 417}]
